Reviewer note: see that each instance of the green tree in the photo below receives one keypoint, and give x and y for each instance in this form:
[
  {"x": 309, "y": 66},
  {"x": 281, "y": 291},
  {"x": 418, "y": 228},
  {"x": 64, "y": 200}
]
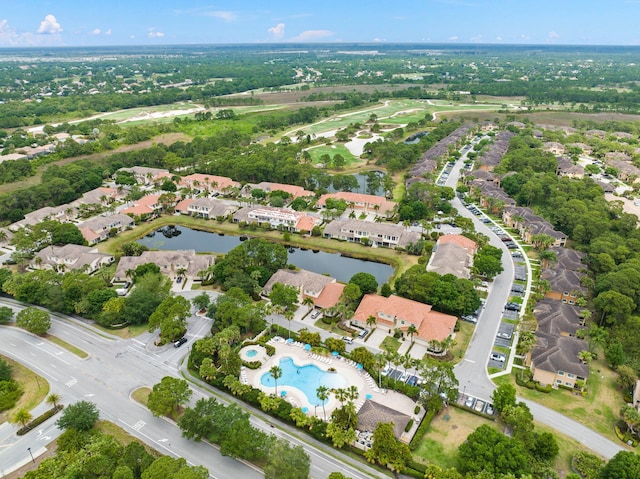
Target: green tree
[
  {"x": 202, "y": 301},
  {"x": 624, "y": 465},
  {"x": 287, "y": 462},
  {"x": 81, "y": 416},
  {"x": 283, "y": 295},
  {"x": 6, "y": 371},
  {"x": 34, "y": 320},
  {"x": 545, "y": 447},
  {"x": 166, "y": 466},
  {"x": 503, "y": 397},
  {"x": 627, "y": 377},
  {"x": 489, "y": 450},
  {"x": 386, "y": 450},
  {"x": 615, "y": 355},
  {"x": 614, "y": 306},
  {"x": 168, "y": 396},
  {"x": 6, "y": 314},
  {"x": 366, "y": 282}
]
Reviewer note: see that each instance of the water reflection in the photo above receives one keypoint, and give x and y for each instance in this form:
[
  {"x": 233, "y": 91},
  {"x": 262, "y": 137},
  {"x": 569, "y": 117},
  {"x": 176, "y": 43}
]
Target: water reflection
[{"x": 334, "y": 264}]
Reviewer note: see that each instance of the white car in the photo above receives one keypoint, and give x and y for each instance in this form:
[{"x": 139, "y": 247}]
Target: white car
[{"x": 501, "y": 358}]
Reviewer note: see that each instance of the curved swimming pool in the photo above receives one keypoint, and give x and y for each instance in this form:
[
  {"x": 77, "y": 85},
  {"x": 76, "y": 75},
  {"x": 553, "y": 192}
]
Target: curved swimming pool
[{"x": 306, "y": 378}]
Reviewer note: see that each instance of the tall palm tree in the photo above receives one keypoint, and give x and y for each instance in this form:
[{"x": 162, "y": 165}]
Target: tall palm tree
[
  {"x": 547, "y": 257},
  {"x": 341, "y": 395},
  {"x": 23, "y": 416},
  {"x": 411, "y": 330},
  {"x": 276, "y": 373},
  {"x": 322, "y": 393},
  {"x": 371, "y": 320},
  {"x": 53, "y": 399}
]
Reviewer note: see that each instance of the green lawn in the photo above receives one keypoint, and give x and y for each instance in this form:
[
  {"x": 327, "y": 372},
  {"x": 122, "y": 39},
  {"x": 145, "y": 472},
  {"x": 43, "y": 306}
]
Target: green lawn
[
  {"x": 317, "y": 151},
  {"x": 390, "y": 344}
]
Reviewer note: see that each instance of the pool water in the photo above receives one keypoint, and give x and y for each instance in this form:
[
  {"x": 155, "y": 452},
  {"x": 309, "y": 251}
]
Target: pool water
[
  {"x": 305, "y": 378},
  {"x": 251, "y": 353}
]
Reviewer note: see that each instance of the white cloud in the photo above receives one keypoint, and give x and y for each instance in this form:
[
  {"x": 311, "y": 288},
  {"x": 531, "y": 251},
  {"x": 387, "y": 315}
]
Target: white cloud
[
  {"x": 312, "y": 35},
  {"x": 476, "y": 39},
  {"x": 107, "y": 32},
  {"x": 154, "y": 34},
  {"x": 277, "y": 32},
  {"x": 50, "y": 26},
  {"x": 553, "y": 36},
  {"x": 222, "y": 15},
  {"x": 498, "y": 39},
  {"x": 379, "y": 40},
  {"x": 453, "y": 38},
  {"x": 96, "y": 31}
]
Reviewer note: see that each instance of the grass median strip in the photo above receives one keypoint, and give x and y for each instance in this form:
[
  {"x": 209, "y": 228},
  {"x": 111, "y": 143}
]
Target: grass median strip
[{"x": 69, "y": 347}]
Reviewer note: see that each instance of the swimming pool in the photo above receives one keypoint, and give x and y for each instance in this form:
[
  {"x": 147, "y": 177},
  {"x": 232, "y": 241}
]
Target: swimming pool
[
  {"x": 307, "y": 379},
  {"x": 251, "y": 353}
]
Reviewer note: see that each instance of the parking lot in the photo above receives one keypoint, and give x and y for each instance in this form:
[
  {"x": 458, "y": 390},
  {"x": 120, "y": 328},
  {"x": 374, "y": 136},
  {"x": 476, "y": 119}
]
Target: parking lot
[
  {"x": 477, "y": 404},
  {"x": 400, "y": 375},
  {"x": 504, "y": 335}
]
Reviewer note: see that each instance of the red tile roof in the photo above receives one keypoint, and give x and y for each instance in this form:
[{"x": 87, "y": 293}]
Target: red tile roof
[
  {"x": 459, "y": 240},
  {"x": 329, "y": 296},
  {"x": 394, "y": 310}
]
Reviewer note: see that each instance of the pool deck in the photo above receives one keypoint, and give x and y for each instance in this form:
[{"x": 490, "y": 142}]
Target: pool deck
[{"x": 367, "y": 386}]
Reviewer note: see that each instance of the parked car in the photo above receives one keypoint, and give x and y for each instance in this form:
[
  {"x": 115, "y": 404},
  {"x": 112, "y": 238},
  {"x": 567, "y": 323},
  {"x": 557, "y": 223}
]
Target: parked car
[
  {"x": 179, "y": 342},
  {"x": 490, "y": 410},
  {"x": 501, "y": 358},
  {"x": 363, "y": 333},
  {"x": 469, "y": 318},
  {"x": 469, "y": 401},
  {"x": 479, "y": 405},
  {"x": 315, "y": 313},
  {"x": 347, "y": 339},
  {"x": 504, "y": 335},
  {"x": 512, "y": 306}
]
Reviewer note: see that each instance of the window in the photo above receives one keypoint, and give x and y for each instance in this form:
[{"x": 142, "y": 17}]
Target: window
[
  {"x": 571, "y": 376},
  {"x": 566, "y": 293},
  {"x": 558, "y": 381},
  {"x": 567, "y": 383},
  {"x": 560, "y": 373}
]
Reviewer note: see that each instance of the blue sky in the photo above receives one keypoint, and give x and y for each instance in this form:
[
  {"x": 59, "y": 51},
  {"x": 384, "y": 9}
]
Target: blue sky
[{"x": 143, "y": 22}]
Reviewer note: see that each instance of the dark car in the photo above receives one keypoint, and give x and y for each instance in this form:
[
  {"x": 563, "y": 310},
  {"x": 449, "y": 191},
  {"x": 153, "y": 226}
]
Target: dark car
[
  {"x": 179, "y": 342},
  {"x": 517, "y": 288},
  {"x": 512, "y": 306}
]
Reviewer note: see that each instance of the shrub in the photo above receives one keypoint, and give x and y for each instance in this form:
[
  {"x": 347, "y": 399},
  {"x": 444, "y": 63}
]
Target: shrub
[
  {"x": 416, "y": 410},
  {"x": 252, "y": 364},
  {"x": 10, "y": 392},
  {"x": 422, "y": 429},
  {"x": 587, "y": 465},
  {"x": 409, "y": 425},
  {"x": 543, "y": 389}
]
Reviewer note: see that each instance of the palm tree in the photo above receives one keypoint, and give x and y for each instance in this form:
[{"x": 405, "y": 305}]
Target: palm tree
[
  {"x": 53, "y": 399},
  {"x": 411, "y": 330},
  {"x": 23, "y": 416},
  {"x": 371, "y": 320},
  {"x": 322, "y": 393},
  {"x": 276, "y": 373},
  {"x": 341, "y": 395},
  {"x": 181, "y": 272},
  {"x": 288, "y": 314},
  {"x": 548, "y": 256},
  {"x": 308, "y": 302}
]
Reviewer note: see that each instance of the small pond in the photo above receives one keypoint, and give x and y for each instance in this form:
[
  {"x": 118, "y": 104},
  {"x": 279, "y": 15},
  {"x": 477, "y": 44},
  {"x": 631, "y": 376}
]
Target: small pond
[
  {"x": 334, "y": 264},
  {"x": 364, "y": 186}
]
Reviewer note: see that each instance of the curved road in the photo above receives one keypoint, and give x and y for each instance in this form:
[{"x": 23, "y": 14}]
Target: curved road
[
  {"x": 472, "y": 370},
  {"x": 114, "y": 369}
]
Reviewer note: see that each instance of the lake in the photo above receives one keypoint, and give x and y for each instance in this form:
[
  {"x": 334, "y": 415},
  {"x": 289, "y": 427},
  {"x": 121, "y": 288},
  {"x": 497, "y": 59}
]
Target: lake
[{"x": 334, "y": 264}]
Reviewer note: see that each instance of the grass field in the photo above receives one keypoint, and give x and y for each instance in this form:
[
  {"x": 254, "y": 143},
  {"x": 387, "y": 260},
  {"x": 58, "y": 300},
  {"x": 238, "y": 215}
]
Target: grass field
[
  {"x": 35, "y": 389},
  {"x": 317, "y": 151},
  {"x": 69, "y": 347},
  {"x": 598, "y": 410}
]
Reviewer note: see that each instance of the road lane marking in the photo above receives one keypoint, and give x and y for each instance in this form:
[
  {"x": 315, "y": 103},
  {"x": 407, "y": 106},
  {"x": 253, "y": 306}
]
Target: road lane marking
[
  {"x": 139, "y": 425},
  {"x": 71, "y": 382},
  {"x": 469, "y": 360}
]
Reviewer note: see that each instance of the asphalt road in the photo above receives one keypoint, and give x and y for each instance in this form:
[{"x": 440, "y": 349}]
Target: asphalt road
[{"x": 114, "y": 369}]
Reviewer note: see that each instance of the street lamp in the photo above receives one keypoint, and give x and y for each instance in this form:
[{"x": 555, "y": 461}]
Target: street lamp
[{"x": 32, "y": 459}]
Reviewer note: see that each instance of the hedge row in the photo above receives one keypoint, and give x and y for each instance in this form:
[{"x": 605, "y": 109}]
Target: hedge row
[{"x": 39, "y": 420}]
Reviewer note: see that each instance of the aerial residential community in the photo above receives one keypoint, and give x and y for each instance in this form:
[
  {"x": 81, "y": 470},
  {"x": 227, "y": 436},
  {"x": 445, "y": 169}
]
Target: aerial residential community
[{"x": 292, "y": 259}]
